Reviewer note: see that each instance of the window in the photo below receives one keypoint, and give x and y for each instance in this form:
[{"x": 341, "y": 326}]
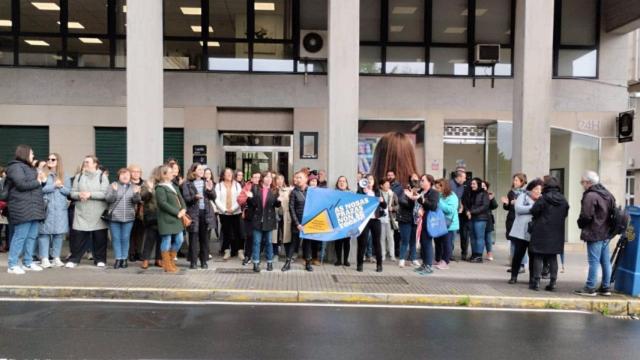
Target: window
[
  {"x": 576, "y": 38},
  {"x": 228, "y": 18},
  {"x": 434, "y": 37},
  {"x": 182, "y": 18},
  {"x": 88, "y": 16},
  {"x": 228, "y": 56},
  {"x": 630, "y": 190},
  {"x": 40, "y": 51},
  {"x": 40, "y": 17},
  {"x": 88, "y": 52},
  {"x": 272, "y": 19}
]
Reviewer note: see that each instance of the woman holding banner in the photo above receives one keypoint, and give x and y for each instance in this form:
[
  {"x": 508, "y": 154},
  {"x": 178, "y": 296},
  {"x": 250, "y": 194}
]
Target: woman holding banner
[
  {"x": 372, "y": 226},
  {"x": 343, "y": 246}
]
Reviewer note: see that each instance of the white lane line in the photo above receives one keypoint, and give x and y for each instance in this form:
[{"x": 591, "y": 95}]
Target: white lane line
[{"x": 329, "y": 305}]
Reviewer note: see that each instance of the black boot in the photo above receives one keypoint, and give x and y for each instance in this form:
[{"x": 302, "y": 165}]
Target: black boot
[
  {"x": 204, "y": 265},
  {"x": 116, "y": 264},
  {"x": 246, "y": 261},
  {"x": 359, "y": 268},
  {"x": 379, "y": 268},
  {"x": 514, "y": 280},
  {"x": 535, "y": 284},
  {"x": 256, "y": 267},
  {"x": 338, "y": 263},
  {"x": 308, "y": 266},
  {"x": 287, "y": 265},
  {"x": 269, "y": 266},
  {"x": 552, "y": 285},
  {"x": 347, "y": 263},
  {"x": 193, "y": 265},
  {"x": 124, "y": 264}
]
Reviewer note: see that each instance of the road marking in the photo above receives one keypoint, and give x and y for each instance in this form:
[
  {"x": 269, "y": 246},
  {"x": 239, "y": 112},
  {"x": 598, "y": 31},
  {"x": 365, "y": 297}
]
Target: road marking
[{"x": 381, "y": 306}]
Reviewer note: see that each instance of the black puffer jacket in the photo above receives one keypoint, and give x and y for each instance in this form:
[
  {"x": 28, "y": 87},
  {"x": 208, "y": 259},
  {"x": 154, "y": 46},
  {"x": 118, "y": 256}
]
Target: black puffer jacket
[
  {"x": 296, "y": 207},
  {"x": 429, "y": 200},
  {"x": 25, "y": 201},
  {"x": 405, "y": 209},
  {"x": 478, "y": 204},
  {"x": 263, "y": 218},
  {"x": 549, "y": 214},
  {"x": 594, "y": 214}
]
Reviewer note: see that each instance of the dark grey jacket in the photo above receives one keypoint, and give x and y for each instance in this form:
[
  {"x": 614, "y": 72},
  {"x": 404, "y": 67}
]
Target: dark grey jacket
[
  {"x": 25, "y": 201},
  {"x": 189, "y": 193},
  {"x": 297, "y": 199},
  {"x": 263, "y": 218},
  {"x": 594, "y": 214}
]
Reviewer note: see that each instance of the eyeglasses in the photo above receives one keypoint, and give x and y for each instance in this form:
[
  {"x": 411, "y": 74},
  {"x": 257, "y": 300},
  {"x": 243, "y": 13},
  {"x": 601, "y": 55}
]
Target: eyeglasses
[{"x": 53, "y": 159}]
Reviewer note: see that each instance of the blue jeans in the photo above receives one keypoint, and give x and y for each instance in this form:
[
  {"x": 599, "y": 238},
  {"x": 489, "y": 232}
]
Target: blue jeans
[
  {"x": 598, "y": 254},
  {"x": 407, "y": 241},
  {"x": 23, "y": 242},
  {"x": 120, "y": 236},
  {"x": 50, "y": 241},
  {"x": 488, "y": 240},
  {"x": 260, "y": 237},
  {"x": 171, "y": 242},
  {"x": 369, "y": 251},
  {"x": 426, "y": 247},
  {"x": 478, "y": 233}
]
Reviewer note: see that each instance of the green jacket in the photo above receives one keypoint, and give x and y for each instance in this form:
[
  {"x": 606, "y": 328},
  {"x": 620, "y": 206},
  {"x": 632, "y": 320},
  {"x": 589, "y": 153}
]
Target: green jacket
[{"x": 169, "y": 205}]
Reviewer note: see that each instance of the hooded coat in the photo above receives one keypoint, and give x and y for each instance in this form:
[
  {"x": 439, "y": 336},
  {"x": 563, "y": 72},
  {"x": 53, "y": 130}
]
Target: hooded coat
[{"x": 548, "y": 229}]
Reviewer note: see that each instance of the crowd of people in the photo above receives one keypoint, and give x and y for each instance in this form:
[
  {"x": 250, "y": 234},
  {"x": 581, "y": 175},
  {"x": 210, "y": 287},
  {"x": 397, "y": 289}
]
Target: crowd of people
[{"x": 154, "y": 216}]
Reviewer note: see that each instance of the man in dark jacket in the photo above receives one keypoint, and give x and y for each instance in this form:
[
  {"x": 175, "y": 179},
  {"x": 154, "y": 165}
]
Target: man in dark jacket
[
  {"x": 460, "y": 188},
  {"x": 597, "y": 203},
  {"x": 548, "y": 232},
  {"x": 296, "y": 208}
]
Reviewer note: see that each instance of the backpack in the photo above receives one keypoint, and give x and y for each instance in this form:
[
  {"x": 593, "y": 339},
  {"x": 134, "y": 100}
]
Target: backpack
[{"x": 618, "y": 217}]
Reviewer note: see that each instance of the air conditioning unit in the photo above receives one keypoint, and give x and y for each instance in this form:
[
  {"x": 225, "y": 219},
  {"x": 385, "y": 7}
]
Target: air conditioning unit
[
  {"x": 487, "y": 54},
  {"x": 314, "y": 44}
]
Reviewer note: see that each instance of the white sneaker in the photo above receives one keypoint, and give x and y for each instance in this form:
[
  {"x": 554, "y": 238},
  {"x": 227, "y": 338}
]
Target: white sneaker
[
  {"x": 57, "y": 262},
  {"x": 392, "y": 259},
  {"x": 401, "y": 263},
  {"x": 227, "y": 255},
  {"x": 70, "y": 265},
  {"x": 16, "y": 270},
  {"x": 45, "y": 264},
  {"x": 241, "y": 255},
  {"x": 33, "y": 267},
  {"x": 415, "y": 263},
  {"x": 101, "y": 264}
]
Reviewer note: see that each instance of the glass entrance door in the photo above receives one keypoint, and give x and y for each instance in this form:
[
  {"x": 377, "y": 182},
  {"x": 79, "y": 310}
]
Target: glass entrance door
[{"x": 253, "y": 153}]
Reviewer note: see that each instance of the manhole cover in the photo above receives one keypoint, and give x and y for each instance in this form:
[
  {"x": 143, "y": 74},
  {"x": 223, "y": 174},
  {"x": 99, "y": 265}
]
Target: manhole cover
[
  {"x": 374, "y": 280},
  {"x": 234, "y": 271}
]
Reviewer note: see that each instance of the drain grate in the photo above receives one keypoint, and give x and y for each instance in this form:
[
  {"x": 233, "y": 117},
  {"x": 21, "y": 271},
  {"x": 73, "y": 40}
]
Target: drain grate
[
  {"x": 369, "y": 280},
  {"x": 234, "y": 271}
]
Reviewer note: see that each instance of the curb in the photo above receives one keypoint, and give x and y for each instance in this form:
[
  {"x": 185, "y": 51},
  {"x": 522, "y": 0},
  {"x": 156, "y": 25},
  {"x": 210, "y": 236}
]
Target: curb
[{"x": 614, "y": 306}]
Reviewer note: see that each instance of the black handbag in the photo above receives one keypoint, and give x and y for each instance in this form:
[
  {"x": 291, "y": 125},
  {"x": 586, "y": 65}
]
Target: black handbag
[{"x": 107, "y": 214}]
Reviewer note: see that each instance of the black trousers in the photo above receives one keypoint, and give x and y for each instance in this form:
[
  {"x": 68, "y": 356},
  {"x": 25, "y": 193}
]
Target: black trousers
[
  {"x": 247, "y": 227},
  {"x": 151, "y": 241},
  {"x": 231, "y": 235},
  {"x": 538, "y": 261},
  {"x": 295, "y": 244},
  {"x": 81, "y": 244},
  {"x": 342, "y": 245},
  {"x": 520, "y": 249},
  {"x": 397, "y": 239},
  {"x": 199, "y": 241},
  {"x": 375, "y": 228},
  {"x": 465, "y": 235},
  {"x": 137, "y": 238}
]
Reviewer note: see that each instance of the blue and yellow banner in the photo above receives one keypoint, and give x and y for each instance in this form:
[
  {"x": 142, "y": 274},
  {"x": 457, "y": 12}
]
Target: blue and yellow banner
[{"x": 331, "y": 214}]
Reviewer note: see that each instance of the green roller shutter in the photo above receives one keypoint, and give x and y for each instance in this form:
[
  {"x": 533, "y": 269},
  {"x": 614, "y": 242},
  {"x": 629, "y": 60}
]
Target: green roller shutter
[
  {"x": 11, "y": 136},
  {"x": 111, "y": 148},
  {"x": 174, "y": 145}
]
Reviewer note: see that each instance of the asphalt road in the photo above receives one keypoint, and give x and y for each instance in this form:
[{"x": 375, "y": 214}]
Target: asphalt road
[{"x": 177, "y": 331}]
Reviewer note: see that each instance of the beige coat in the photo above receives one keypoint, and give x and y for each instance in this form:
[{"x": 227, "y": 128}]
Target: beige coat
[{"x": 286, "y": 235}]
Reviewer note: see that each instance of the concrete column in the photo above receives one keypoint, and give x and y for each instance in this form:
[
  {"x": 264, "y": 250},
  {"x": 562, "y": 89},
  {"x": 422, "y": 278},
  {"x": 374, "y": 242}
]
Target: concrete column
[
  {"x": 532, "y": 98},
  {"x": 344, "y": 63},
  {"x": 434, "y": 148},
  {"x": 200, "y": 128},
  {"x": 145, "y": 91}
]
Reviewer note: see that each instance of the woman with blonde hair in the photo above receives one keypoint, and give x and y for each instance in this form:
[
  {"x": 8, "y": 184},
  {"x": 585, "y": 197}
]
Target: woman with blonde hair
[
  {"x": 56, "y": 223},
  {"x": 171, "y": 209}
]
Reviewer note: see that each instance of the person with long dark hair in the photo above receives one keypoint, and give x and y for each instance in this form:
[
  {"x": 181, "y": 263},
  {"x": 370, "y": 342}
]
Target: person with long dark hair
[
  {"x": 373, "y": 226},
  {"x": 227, "y": 192},
  {"x": 519, "y": 234},
  {"x": 342, "y": 246},
  {"x": 477, "y": 210},
  {"x": 448, "y": 203},
  {"x": 56, "y": 224},
  {"x": 198, "y": 195},
  {"x": 427, "y": 201},
  {"x": 394, "y": 151},
  {"x": 263, "y": 202},
  {"x": 297, "y": 199},
  {"x": 519, "y": 181},
  {"x": 26, "y": 209},
  {"x": 406, "y": 221}
]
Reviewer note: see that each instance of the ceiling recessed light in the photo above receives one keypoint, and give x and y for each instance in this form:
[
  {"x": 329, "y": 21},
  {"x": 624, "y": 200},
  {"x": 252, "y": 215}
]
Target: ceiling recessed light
[
  {"x": 73, "y": 25},
  {"x": 404, "y": 10},
  {"x": 198, "y": 28},
  {"x": 455, "y": 30},
  {"x": 37, "y": 42},
  {"x": 265, "y": 6},
  {"x": 46, "y": 6},
  {"x": 396, "y": 28},
  {"x": 479, "y": 12},
  {"x": 124, "y": 8},
  {"x": 191, "y": 10},
  {"x": 211, "y": 43},
  {"x": 6, "y": 23},
  {"x": 90, "y": 40}
]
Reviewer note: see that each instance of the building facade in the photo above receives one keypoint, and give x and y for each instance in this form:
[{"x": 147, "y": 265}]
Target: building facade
[{"x": 141, "y": 81}]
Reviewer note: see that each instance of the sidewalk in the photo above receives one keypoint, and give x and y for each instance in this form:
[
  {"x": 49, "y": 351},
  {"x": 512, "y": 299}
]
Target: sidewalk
[{"x": 464, "y": 284}]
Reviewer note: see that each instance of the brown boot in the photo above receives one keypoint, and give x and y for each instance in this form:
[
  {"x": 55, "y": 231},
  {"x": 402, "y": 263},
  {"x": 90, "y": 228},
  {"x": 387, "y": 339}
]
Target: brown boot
[
  {"x": 145, "y": 264},
  {"x": 158, "y": 263},
  {"x": 167, "y": 263},
  {"x": 172, "y": 256}
]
